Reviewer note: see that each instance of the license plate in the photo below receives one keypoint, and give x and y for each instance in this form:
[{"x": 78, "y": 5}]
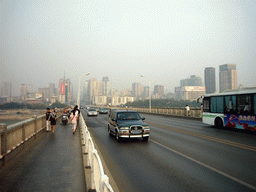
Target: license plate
[{"x": 136, "y": 132}]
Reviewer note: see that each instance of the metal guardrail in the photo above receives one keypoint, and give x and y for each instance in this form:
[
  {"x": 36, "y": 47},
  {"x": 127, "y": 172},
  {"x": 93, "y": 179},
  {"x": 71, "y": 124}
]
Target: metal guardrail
[
  {"x": 193, "y": 112},
  {"x": 99, "y": 180}
]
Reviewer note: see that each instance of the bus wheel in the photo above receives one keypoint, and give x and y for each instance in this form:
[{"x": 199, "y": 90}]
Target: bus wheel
[{"x": 218, "y": 122}]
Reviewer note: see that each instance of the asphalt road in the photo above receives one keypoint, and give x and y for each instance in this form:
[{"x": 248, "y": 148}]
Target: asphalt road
[{"x": 181, "y": 155}]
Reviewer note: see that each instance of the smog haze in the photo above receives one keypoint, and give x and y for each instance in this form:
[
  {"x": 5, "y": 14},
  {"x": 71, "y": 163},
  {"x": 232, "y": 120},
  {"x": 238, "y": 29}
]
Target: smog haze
[{"x": 165, "y": 40}]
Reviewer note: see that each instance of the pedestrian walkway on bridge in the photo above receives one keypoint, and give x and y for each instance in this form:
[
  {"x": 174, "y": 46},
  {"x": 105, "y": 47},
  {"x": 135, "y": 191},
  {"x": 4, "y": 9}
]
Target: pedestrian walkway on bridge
[{"x": 52, "y": 163}]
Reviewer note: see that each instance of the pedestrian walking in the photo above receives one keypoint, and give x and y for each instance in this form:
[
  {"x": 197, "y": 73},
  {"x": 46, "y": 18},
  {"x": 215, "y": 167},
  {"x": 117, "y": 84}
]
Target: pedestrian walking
[
  {"x": 78, "y": 115},
  {"x": 53, "y": 120},
  {"x": 74, "y": 118},
  {"x": 47, "y": 118},
  {"x": 187, "y": 110},
  {"x": 202, "y": 109}
]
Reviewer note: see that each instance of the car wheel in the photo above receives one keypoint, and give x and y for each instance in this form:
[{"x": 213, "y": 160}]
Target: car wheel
[{"x": 145, "y": 138}]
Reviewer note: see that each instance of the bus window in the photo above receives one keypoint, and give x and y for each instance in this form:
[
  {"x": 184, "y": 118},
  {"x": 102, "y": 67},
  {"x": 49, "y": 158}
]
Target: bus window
[
  {"x": 213, "y": 104},
  {"x": 206, "y": 104},
  {"x": 244, "y": 104},
  {"x": 234, "y": 103},
  {"x": 230, "y": 104},
  {"x": 220, "y": 104},
  {"x": 217, "y": 104}
]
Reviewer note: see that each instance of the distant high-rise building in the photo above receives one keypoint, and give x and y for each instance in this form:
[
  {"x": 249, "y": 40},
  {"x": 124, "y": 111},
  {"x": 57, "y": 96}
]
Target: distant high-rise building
[
  {"x": 52, "y": 90},
  {"x": 190, "y": 88},
  {"x": 194, "y": 80},
  {"x": 6, "y": 89},
  {"x": 159, "y": 89},
  {"x": 105, "y": 86},
  {"x": 45, "y": 93},
  {"x": 146, "y": 91},
  {"x": 209, "y": 79},
  {"x": 29, "y": 88},
  {"x": 23, "y": 91},
  {"x": 190, "y": 93},
  {"x": 94, "y": 88},
  {"x": 137, "y": 90},
  {"x": 86, "y": 93},
  {"x": 65, "y": 90},
  {"x": 227, "y": 77}
]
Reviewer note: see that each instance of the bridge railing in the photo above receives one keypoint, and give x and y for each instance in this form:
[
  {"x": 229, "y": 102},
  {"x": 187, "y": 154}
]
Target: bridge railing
[
  {"x": 99, "y": 180},
  {"x": 193, "y": 112},
  {"x": 15, "y": 137}
]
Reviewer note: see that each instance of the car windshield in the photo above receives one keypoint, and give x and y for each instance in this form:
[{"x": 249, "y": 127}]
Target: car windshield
[
  {"x": 128, "y": 116},
  {"x": 92, "y": 109}
]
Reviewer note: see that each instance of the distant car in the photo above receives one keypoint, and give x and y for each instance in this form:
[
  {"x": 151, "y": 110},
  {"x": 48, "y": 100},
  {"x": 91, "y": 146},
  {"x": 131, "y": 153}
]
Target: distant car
[
  {"x": 127, "y": 124},
  {"x": 92, "y": 112},
  {"x": 103, "y": 111}
]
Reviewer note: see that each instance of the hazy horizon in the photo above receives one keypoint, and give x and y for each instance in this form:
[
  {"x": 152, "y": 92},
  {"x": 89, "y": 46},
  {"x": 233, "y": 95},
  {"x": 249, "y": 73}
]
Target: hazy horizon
[{"x": 164, "y": 40}]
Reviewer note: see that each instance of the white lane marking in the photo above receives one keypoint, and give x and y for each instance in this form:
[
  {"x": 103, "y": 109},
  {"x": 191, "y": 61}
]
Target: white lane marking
[{"x": 207, "y": 166}]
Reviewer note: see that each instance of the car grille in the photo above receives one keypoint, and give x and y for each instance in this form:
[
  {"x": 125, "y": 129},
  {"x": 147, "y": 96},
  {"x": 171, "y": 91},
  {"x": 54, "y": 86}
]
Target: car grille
[{"x": 135, "y": 128}]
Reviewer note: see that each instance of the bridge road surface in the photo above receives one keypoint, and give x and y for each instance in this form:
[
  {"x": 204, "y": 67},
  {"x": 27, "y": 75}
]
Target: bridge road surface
[
  {"x": 53, "y": 163},
  {"x": 181, "y": 155}
]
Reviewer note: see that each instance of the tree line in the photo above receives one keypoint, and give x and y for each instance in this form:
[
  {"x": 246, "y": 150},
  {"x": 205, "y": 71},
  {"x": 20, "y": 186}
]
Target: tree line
[
  {"x": 15, "y": 105},
  {"x": 163, "y": 103}
]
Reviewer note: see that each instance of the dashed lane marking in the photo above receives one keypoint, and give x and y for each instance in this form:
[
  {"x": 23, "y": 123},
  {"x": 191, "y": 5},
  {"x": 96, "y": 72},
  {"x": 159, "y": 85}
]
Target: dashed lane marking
[{"x": 207, "y": 166}]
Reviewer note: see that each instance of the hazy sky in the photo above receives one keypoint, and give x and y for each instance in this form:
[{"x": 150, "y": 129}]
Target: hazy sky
[{"x": 166, "y": 40}]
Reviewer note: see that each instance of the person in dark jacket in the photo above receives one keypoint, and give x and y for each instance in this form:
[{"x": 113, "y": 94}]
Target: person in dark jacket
[
  {"x": 47, "y": 118},
  {"x": 53, "y": 116}
]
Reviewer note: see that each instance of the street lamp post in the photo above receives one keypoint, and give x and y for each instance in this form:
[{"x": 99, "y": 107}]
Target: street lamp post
[
  {"x": 78, "y": 95},
  {"x": 148, "y": 93}
]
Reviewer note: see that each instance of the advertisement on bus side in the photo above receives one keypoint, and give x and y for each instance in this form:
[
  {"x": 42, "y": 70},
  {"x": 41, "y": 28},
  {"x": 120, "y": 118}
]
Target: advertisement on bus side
[{"x": 246, "y": 122}]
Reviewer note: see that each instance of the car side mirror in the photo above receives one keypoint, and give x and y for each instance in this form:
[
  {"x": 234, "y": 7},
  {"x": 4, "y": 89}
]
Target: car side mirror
[
  {"x": 143, "y": 118},
  {"x": 113, "y": 119}
]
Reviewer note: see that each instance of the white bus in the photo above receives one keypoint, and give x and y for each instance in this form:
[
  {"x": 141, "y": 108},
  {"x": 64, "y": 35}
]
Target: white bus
[{"x": 236, "y": 109}]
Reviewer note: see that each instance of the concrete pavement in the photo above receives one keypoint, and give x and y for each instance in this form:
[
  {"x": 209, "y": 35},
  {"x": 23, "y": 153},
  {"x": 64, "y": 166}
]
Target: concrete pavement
[{"x": 52, "y": 163}]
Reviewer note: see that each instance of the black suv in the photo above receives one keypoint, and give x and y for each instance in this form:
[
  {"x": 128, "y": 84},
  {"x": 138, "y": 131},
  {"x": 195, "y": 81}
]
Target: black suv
[{"x": 127, "y": 124}]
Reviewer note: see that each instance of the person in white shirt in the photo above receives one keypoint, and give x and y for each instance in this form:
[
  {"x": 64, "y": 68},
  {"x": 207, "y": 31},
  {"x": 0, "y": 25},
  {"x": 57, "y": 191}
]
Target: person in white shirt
[
  {"x": 187, "y": 110},
  {"x": 74, "y": 118}
]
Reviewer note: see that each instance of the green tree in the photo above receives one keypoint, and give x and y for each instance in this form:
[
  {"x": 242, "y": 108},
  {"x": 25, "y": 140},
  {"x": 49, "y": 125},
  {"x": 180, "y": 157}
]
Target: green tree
[
  {"x": 12, "y": 105},
  {"x": 58, "y": 105},
  {"x": 36, "y": 106}
]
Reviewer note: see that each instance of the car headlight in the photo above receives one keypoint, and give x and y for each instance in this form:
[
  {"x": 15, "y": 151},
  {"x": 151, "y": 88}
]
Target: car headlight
[{"x": 146, "y": 130}]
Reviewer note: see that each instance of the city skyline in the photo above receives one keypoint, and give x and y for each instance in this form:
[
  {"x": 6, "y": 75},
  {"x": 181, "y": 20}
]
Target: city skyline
[
  {"x": 109, "y": 84},
  {"x": 168, "y": 88},
  {"x": 122, "y": 41}
]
